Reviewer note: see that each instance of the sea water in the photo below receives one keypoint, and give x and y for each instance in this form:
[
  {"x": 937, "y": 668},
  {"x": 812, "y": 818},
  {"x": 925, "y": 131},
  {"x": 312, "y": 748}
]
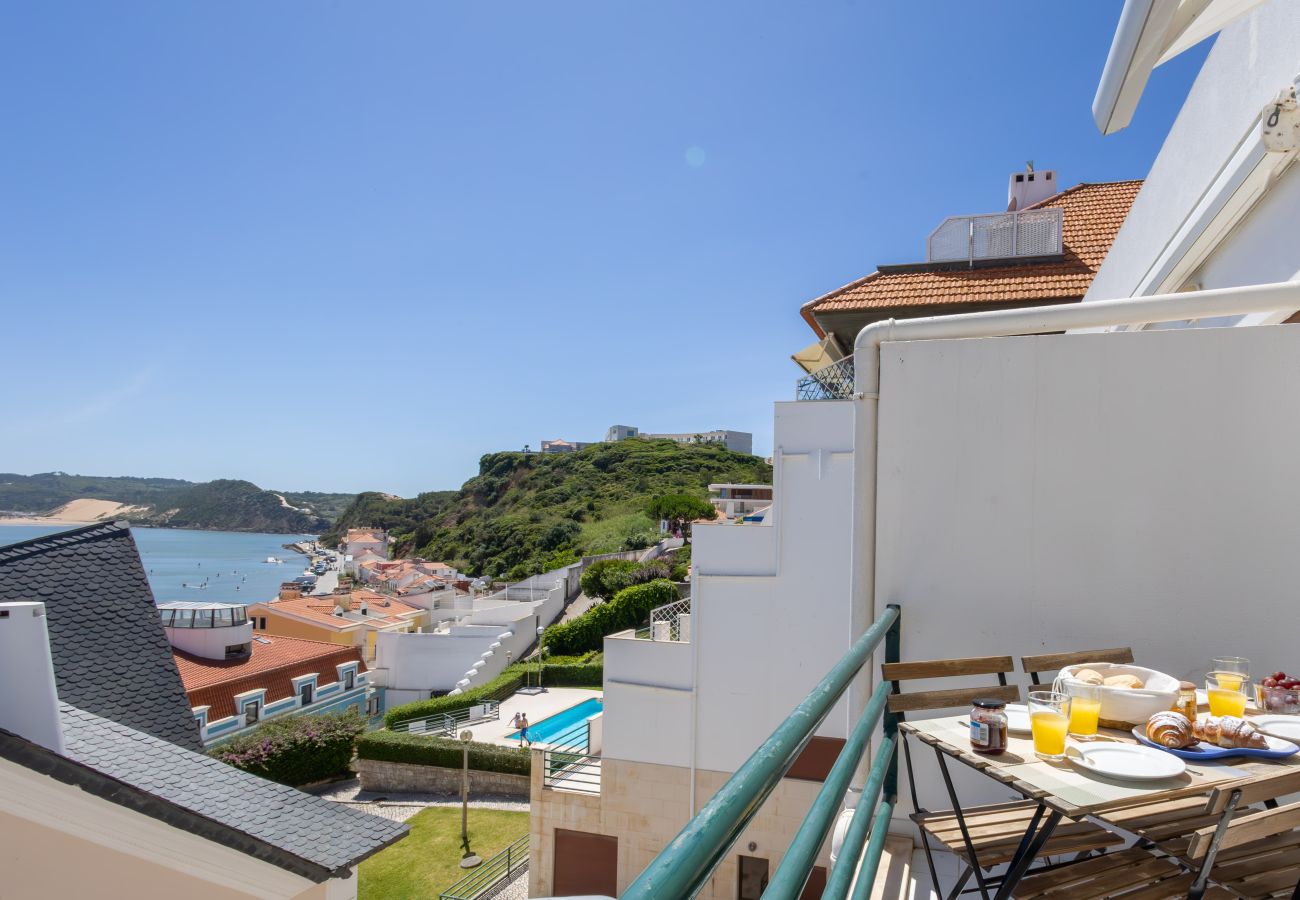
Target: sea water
[{"x": 213, "y": 566}]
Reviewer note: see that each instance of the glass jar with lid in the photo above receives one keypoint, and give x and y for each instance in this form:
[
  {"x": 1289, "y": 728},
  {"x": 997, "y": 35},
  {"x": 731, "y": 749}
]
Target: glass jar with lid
[
  {"x": 1186, "y": 702},
  {"x": 988, "y": 726}
]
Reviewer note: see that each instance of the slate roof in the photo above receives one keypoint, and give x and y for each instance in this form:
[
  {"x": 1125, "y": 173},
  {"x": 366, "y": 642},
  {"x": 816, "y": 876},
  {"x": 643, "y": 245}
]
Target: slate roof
[
  {"x": 111, "y": 656},
  {"x": 274, "y": 823},
  {"x": 273, "y": 664},
  {"x": 1093, "y": 214}
]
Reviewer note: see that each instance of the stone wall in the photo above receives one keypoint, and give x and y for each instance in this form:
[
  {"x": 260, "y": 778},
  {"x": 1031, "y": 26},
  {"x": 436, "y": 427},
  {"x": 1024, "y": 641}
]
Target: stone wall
[{"x": 378, "y": 775}]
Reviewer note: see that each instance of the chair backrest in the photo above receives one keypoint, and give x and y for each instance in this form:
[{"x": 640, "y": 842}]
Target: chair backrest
[
  {"x": 1054, "y": 662},
  {"x": 1269, "y": 786},
  {"x": 904, "y": 702},
  {"x": 1244, "y": 829}
]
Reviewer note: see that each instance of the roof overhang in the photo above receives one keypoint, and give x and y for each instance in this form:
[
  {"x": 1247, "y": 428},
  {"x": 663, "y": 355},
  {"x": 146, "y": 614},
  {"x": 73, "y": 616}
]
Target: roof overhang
[{"x": 1152, "y": 32}]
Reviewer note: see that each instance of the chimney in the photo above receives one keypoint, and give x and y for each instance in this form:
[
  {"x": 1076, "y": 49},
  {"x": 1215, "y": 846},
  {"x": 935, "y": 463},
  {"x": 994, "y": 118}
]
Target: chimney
[
  {"x": 30, "y": 708},
  {"x": 1029, "y": 187}
]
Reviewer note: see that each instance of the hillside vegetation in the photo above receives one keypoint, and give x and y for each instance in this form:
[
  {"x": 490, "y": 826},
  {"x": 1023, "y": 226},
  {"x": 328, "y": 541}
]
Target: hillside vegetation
[
  {"x": 222, "y": 505},
  {"x": 527, "y": 513}
]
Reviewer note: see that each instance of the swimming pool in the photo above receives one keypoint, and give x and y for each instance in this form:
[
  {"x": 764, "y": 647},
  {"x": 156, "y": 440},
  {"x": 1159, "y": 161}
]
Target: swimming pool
[{"x": 545, "y": 731}]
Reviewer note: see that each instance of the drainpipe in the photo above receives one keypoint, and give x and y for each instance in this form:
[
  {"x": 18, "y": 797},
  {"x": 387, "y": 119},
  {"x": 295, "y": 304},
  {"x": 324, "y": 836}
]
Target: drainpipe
[{"x": 998, "y": 323}]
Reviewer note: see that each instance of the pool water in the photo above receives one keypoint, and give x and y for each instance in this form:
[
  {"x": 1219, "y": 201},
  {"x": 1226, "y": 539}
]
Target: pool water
[{"x": 548, "y": 729}]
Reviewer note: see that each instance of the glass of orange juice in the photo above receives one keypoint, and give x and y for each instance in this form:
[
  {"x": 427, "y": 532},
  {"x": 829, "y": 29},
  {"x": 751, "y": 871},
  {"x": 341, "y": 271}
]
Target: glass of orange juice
[
  {"x": 1230, "y": 667},
  {"x": 1049, "y": 720},
  {"x": 1227, "y": 693},
  {"x": 1085, "y": 709}
]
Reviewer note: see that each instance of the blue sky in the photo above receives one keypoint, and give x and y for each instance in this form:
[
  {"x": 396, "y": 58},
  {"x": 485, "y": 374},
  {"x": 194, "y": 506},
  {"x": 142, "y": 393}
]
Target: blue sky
[{"x": 346, "y": 246}]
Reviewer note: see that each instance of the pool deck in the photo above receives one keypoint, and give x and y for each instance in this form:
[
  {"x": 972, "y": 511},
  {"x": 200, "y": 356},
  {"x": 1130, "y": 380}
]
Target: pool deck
[{"x": 535, "y": 706}]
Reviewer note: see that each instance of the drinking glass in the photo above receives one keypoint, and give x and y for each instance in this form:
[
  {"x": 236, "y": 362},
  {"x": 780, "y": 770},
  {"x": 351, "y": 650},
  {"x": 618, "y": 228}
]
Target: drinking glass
[
  {"x": 1085, "y": 709},
  {"x": 1232, "y": 665},
  {"x": 1049, "y": 720},
  {"x": 1227, "y": 693}
]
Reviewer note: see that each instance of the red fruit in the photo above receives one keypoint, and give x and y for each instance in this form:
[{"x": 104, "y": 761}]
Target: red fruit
[
  {"x": 1269, "y": 682},
  {"x": 1290, "y": 684},
  {"x": 1279, "y": 676}
]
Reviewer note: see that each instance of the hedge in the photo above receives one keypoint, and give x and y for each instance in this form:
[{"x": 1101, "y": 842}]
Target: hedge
[
  {"x": 503, "y": 685},
  {"x": 296, "y": 750},
  {"x": 422, "y": 750},
  {"x": 586, "y": 675},
  {"x": 606, "y": 577},
  {"x": 630, "y": 608}
]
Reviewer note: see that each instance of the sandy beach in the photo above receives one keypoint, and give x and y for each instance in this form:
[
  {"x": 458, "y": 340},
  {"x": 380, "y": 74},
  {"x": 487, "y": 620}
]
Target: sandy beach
[{"x": 78, "y": 512}]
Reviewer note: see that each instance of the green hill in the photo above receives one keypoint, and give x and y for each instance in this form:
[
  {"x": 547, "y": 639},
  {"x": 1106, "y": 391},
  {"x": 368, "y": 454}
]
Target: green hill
[
  {"x": 221, "y": 505},
  {"x": 525, "y": 513}
]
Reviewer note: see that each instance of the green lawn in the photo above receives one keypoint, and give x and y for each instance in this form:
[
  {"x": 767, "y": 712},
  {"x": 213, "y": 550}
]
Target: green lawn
[{"x": 427, "y": 860}]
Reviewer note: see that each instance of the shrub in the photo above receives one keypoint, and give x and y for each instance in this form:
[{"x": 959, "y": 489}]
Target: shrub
[
  {"x": 502, "y": 686},
  {"x": 422, "y": 750},
  {"x": 606, "y": 577},
  {"x": 682, "y": 564},
  {"x": 629, "y": 609},
  {"x": 296, "y": 750}
]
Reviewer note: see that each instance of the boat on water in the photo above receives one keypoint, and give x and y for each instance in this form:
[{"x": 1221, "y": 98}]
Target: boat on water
[{"x": 271, "y": 560}]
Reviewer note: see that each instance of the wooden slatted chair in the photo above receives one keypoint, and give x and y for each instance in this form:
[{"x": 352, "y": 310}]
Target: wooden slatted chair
[
  {"x": 1034, "y": 666},
  {"x": 983, "y": 836},
  {"x": 1240, "y": 844}
]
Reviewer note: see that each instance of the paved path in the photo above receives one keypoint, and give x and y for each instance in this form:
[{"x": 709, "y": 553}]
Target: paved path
[
  {"x": 577, "y": 606},
  {"x": 400, "y": 806}
]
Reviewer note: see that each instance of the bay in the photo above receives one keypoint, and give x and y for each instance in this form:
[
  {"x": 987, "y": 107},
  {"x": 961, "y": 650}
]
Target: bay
[{"x": 230, "y": 565}]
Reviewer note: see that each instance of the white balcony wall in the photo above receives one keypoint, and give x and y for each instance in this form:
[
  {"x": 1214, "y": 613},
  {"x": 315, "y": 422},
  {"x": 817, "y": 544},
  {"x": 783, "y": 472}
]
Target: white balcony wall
[
  {"x": 1075, "y": 491},
  {"x": 647, "y": 714}
]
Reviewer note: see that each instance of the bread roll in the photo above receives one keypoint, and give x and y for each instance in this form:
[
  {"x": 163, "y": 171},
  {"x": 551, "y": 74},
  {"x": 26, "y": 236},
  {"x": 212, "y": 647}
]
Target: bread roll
[
  {"x": 1171, "y": 729},
  {"x": 1127, "y": 682},
  {"x": 1229, "y": 732},
  {"x": 1087, "y": 676}
]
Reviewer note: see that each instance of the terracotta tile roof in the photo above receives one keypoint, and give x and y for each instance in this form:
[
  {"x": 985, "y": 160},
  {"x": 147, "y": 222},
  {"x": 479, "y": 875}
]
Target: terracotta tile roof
[
  {"x": 273, "y": 666},
  {"x": 1093, "y": 215},
  {"x": 383, "y": 610},
  {"x": 363, "y": 534}
]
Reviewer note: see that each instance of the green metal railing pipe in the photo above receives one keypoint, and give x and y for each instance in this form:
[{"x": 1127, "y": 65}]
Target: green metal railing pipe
[
  {"x": 875, "y": 849},
  {"x": 841, "y": 876},
  {"x": 799, "y": 857},
  {"x": 682, "y": 868}
]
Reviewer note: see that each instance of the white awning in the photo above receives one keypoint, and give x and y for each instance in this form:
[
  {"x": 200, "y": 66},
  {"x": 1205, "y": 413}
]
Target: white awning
[{"x": 1151, "y": 32}]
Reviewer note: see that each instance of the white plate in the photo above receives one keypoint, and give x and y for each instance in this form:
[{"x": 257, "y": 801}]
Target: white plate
[
  {"x": 1129, "y": 762},
  {"x": 1018, "y": 718},
  {"x": 1287, "y": 726}
]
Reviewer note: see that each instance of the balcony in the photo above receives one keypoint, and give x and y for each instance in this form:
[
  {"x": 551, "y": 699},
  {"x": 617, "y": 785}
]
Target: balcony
[
  {"x": 833, "y": 382},
  {"x": 1029, "y": 234}
]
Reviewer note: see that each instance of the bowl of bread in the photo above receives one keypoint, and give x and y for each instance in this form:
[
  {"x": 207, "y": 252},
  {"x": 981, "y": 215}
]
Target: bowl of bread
[{"x": 1130, "y": 695}]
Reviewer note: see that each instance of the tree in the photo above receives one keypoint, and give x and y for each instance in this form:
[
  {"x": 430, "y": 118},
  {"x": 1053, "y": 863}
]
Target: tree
[{"x": 680, "y": 510}]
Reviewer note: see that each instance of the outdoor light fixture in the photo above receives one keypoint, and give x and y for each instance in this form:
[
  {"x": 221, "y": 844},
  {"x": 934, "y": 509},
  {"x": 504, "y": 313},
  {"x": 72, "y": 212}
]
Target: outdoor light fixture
[{"x": 471, "y": 859}]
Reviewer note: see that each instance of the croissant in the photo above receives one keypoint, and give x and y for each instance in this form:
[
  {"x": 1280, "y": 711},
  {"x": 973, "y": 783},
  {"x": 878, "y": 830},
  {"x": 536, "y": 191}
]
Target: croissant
[
  {"x": 1229, "y": 732},
  {"x": 1171, "y": 729}
]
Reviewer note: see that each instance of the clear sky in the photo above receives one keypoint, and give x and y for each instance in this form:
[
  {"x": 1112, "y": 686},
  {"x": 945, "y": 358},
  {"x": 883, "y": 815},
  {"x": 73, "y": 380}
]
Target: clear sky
[{"x": 350, "y": 246}]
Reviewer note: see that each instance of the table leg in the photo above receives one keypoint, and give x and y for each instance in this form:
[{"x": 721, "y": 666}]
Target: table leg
[
  {"x": 973, "y": 859},
  {"x": 1020, "y": 864}
]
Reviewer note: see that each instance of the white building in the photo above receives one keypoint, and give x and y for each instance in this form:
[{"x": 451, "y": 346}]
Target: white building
[
  {"x": 733, "y": 501},
  {"x": 1085, "y": 475},
  {"x": 736, "y": 441}
]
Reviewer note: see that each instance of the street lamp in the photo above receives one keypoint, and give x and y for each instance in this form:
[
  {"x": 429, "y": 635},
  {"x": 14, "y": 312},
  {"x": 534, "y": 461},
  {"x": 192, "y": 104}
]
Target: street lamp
[
  {"x": 541, "y": 649},
  {"x": 471, "y": 859}
]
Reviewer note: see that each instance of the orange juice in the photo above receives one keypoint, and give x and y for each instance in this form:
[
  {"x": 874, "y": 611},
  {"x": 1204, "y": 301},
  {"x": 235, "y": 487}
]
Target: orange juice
[
  {"x": 1226, "y": 703},
  {"x": 1049, "y": 730},
  {"x": 1229, "y": 681},
  {"x": 1083, "y": 716}
]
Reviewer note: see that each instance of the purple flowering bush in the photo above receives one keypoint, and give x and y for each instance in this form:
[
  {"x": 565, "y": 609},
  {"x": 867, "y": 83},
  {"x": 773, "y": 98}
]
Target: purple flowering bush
[{"x": 296, "y": 750}]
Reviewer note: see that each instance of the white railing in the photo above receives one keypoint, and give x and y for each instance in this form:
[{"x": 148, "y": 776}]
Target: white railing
[
  {"x": 1010, "y": 235},
  {"x": 670, "y": 622}
]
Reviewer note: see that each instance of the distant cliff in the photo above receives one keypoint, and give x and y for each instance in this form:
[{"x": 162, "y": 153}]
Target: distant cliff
[{"x": 222, "y": 505}]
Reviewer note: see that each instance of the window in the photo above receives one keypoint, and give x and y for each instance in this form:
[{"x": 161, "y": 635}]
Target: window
[
  {"x": 372, "y": 706},
  {"x": 252, "y": 712},
  {"x": 235, "y": 651},
  {"x": 349, "y": 679},
  {"x": 305, "y": 693},
  {"x": 261, "y": 623}
]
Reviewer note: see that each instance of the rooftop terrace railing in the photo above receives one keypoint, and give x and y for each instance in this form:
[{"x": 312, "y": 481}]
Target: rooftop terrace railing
[
  {"x": 684, "y": 867},
  {"x": 448, "y": 724}
]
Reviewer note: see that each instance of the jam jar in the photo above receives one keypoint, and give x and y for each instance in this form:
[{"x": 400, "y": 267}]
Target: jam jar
[
  {"x": 1186, "y": 702},
  {"x": 988, "y": 726}
]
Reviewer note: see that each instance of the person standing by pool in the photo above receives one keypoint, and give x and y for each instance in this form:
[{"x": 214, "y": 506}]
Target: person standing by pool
[{"x": 523, "y": 730}]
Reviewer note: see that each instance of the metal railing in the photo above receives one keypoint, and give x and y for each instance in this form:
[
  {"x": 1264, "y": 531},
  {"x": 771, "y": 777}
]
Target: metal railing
[
  {"x": 491, "y": 873},
  {"x": 1010, "y": 235},
  {"x": 684, "y": 867},
  {"x": 571, "y": 771},
  {"x": 448, "y": 724},
  {"x": 833, "y": 382}
]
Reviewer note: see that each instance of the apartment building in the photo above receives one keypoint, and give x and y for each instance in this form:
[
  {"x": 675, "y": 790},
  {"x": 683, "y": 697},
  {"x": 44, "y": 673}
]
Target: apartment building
[{"x": 351, "y": 618}]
